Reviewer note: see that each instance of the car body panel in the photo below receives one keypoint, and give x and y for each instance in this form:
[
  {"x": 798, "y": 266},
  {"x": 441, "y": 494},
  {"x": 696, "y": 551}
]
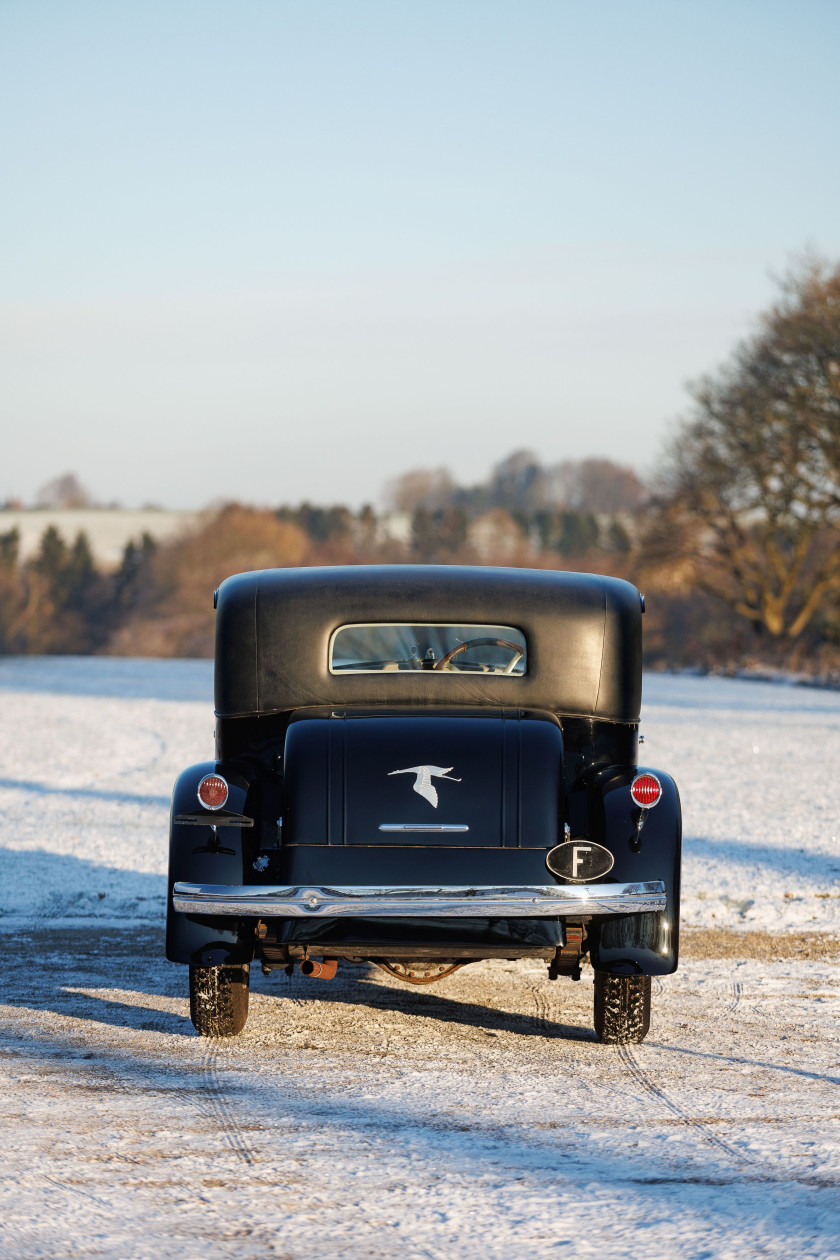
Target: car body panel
[
  {"x": 491, "y": 781},
  {"x": 583, "y": 632},
  {"x": 405, "y": 780},
  {"x": 197, "y": 852}
]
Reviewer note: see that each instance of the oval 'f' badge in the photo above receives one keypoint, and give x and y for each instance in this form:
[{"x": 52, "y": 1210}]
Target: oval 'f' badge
[{"x": 580, "y": 860}]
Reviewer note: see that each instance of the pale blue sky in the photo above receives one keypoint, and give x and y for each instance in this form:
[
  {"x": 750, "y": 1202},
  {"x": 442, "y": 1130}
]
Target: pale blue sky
[{"x": 276, "y": 250}]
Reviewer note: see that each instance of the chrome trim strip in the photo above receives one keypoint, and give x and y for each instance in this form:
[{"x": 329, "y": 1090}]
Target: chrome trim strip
[
  {"x": 423, "y": 827},
  {"x": 197, "y": 819},
  {"x": 302, "y": 901}
]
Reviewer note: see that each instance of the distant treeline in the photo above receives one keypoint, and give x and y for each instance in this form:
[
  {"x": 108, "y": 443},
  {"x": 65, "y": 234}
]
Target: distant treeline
[
  {"x": 737, "y": 545},
  {"x": 158, "y": 601}
]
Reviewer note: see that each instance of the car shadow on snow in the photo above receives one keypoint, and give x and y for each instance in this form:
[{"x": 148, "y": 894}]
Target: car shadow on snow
[
  {"x": 362, "y": 989},
  {"x": 134, "y": 1006},
  {"x": 120, "y": 977},
  {"x": 104, "y": 1000},
  {"x": 120, "y": 1009},
  {"x": 97, "y": 970}
]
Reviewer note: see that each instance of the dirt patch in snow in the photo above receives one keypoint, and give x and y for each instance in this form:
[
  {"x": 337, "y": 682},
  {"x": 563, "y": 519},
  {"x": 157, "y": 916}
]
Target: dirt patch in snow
[{"x": 697, "y": 943}]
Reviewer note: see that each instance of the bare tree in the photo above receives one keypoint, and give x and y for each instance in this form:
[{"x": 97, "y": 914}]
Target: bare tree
[
  {"x": 63, "y": 492},
  {"x": 753, "y": 491},
  {"x": 518, "y": 483},
  {"x": 429, "y": 488},
  {"x": 596, "y": 485},
  {"x": 495, "y": 538}
]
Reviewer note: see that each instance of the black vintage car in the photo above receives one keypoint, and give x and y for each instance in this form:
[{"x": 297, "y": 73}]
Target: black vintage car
[{"x": 421, "y": 766}]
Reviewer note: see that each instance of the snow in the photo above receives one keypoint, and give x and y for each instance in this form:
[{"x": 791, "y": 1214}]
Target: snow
[
  {"x": 363, "y": 1118},
  {"x": 755, "y": 765},
  {"x": 90, "y": 748}
]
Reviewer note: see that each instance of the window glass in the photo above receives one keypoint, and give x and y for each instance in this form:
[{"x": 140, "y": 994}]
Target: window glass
[{"x": 378, "y": 648}]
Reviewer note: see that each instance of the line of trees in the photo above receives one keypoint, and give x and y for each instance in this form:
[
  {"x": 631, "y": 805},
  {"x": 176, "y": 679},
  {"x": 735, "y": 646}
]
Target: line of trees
[
  {"x": 737, "y": 542},
  {"x": 59, "y": 601},
  {"x": 751, "y": 498},
  {"x": 573, "y": 509},
  {"x": 157, "y": 602}
]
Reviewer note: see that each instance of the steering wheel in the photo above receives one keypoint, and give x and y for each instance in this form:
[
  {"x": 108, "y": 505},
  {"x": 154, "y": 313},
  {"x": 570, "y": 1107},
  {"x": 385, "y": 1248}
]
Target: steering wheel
[{"x": 483, "y": 641}]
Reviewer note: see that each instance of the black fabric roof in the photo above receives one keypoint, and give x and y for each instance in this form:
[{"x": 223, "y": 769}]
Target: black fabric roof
[{"x": 583, "y": 634}]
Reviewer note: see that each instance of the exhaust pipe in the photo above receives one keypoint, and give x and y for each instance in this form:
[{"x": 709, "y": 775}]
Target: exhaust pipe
[{"x": 325, "y": 970}]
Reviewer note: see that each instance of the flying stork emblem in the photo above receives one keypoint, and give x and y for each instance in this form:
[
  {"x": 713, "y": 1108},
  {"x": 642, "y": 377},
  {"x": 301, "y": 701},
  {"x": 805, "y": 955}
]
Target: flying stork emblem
[{"x": 423, "y": 785}]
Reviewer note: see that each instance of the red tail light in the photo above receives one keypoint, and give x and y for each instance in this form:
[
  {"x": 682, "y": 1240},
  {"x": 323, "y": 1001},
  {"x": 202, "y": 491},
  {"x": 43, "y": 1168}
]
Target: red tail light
[
  {"x": 646, "y": 790},
  {"x": 212, "y": 791}
]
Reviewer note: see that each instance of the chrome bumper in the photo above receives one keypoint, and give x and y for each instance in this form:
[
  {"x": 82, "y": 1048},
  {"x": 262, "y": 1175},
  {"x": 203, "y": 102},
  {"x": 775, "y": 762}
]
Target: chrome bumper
[{"x": 300, "y": 902}]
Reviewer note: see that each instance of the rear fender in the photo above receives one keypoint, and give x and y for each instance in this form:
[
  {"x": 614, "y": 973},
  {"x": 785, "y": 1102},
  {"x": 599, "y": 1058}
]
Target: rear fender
[
  {"x": 195, "y": 856},
  {"x": 637, "y": 944}
]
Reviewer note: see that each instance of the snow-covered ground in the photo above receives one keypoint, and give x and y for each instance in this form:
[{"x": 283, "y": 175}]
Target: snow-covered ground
[
  {"x": 360, "y": 1118},
  {"x": 756, "y": 765},
  {"x": 89, "y": 749},
  {"x": 363, "y": 1118}
]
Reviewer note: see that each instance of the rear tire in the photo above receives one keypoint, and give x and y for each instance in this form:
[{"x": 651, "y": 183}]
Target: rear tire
[
  {"x": 219, "y": 1000},
  {"x": 622, "y": 1008}
]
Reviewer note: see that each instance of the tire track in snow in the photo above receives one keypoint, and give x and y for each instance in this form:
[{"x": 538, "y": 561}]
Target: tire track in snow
[
  {"x": 638, "y": 1073},
  {"x": 135, "y": 769},
  {"x": 212, "y": 1092},
  {"x": 735, "y": 1000},
  {"x": 550, "y": 1012},
  {"x": 641, "y": 1077},
  {"x": 162, "y": 749},
  {"x": 542, "y": 1004}
]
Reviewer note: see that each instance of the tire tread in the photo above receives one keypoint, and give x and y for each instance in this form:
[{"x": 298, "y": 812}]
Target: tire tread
[
  {"x": 219, "y": 1000},
  {"x": 622, "y": 1008}
]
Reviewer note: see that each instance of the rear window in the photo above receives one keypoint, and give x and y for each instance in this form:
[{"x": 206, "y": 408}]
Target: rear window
[{"x": 385, "y": 648}]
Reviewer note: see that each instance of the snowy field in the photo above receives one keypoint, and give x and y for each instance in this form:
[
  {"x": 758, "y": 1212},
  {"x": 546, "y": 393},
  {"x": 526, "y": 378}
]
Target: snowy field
[
  {"x": 363, "y": 1118},
  {"x": 89, "y": 750}
]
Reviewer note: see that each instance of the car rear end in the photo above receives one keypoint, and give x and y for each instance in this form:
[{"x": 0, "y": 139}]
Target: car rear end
[{"x": 418, "y": 834}]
